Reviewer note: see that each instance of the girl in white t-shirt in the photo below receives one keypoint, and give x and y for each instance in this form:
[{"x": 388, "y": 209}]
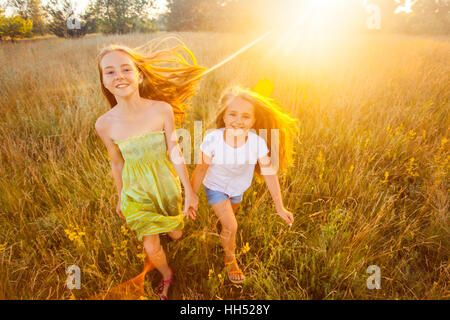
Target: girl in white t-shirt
[{"x": 229, "y": 156}]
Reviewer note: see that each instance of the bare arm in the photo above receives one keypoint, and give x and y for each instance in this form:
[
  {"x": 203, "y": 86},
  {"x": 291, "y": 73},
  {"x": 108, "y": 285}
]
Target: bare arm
[
  {"x": 176, "y": 157},
  {"x": 116, "y": 159},
  {"x": 273, "y": 185},
  {"x": 200, "y": 171}
]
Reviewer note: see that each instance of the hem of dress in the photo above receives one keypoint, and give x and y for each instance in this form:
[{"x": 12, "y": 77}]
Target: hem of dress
[{"x": 162, "y": 232}]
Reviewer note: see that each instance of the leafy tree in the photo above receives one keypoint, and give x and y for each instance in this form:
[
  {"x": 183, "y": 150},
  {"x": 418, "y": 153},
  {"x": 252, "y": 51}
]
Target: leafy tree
[
  {"x": 432, "y": 16},
  {"x": 63, "y": 21},
  {"x": 36, "y": 13},
  {"x": 90, "y": 18},
  {"x": 2, "y": 23},
  {"x": 192, "y": 14},
  {"x": 30, "y": 10},
  {"x": 14, "y": 27},
  {"x": 123, "y": 16}
]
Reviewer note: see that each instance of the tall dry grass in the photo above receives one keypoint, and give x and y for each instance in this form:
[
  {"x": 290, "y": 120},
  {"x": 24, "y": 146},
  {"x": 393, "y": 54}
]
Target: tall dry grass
[{"x": 369, "y": 186}]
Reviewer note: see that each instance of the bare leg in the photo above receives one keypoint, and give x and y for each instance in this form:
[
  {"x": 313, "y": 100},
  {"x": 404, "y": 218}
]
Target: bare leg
[
  {"x": 157, "y": 256},
  {"x": 224, "y": 212},
  {"x": 235, "y": 207},
  {"x": 175, "y": 235}
]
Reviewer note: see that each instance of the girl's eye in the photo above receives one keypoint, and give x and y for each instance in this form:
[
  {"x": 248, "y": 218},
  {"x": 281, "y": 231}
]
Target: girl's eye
[{"x": 110, "y": 72}]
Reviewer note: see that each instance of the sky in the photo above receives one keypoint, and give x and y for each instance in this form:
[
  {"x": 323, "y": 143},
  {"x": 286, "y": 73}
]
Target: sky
[{"x": 81, "y": 5}]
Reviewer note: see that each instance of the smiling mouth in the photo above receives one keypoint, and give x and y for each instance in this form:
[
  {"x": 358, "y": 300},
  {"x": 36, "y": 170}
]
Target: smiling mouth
[{"x": 121, "y": 86}]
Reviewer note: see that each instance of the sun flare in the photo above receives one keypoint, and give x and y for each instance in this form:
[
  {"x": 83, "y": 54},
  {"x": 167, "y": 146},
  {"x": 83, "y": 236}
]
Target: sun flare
[
  {"x": 317, "y": 25},
  {"x": 324, "y": 4}
]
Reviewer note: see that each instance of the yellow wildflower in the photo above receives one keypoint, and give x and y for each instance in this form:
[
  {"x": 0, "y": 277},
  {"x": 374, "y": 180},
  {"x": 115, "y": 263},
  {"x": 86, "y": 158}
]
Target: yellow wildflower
[
  {"x": 321, "y": 160},
  {"x": 141, "y": 256},
  {"x": 386, "y": 175},
  {"x": 124, "y": 230},
  {"x": 399, "y": 129},
  {"x": 389, "y": 131},
  {"x": 122, "y": 249},
  {"x": 74, "y": 233},
  {"x": 246, "y": 248},
  {"x": 320, "y": 157},
  {"x": 412, "y": 166}
]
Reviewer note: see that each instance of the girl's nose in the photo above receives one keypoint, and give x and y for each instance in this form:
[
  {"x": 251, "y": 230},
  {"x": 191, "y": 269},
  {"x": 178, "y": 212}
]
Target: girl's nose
[{"x": 119, "y": 75}]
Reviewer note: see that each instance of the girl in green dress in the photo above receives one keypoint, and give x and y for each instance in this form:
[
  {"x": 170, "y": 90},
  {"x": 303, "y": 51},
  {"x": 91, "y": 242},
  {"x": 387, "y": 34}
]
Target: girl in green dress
[{"x": 146, "y": 92}]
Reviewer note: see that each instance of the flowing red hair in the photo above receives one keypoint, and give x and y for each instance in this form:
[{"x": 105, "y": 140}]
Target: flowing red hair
[
  {"x": 268, "y": 115},
  {"x": 168, "y": 76}
]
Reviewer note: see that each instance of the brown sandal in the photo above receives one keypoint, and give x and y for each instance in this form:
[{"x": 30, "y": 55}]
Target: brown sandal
[{"x": 234, "y": 272}]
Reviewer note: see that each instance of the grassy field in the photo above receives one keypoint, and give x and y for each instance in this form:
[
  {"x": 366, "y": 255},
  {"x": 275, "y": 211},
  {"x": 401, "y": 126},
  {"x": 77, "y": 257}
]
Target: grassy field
[{"x": 369, "y": 186}]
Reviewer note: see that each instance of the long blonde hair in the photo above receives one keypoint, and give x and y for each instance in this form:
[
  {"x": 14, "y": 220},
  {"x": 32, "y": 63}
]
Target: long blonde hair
[
  {"x": 168, "y": 76},
  {"x": 269, "y": 115}
]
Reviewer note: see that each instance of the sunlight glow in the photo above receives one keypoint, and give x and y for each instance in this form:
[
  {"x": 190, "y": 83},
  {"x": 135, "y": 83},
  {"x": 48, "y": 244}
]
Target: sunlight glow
[
  {"x": 324, "y": 4},
  {"x": 316, "y": 27}
]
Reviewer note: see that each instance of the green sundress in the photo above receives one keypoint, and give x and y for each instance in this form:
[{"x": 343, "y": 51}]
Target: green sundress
[{"x": 151, "y": 191}]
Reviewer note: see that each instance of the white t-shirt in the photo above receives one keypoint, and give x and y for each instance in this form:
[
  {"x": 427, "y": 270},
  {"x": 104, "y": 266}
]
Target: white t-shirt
[{"x": 231, "y": 170}]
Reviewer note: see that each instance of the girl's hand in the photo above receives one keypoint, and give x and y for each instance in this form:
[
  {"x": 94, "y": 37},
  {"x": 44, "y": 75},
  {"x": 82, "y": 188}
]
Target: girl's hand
[
  {"x": 286, "y": 215},
  {"x": 190, "y": 205},
  {"x": 118, "y": 211},
  {"x": 191, "y": 214}
]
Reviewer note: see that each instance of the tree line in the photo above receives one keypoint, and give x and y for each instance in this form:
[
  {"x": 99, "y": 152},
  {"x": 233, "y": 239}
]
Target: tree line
[
  {"x": 59, "y": 17},
  {"x": 123, "y": 16},
  {"x": 427, "y": 16}
]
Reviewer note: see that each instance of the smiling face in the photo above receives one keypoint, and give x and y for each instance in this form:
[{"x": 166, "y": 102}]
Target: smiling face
[
  {"x": 239, "y": 117},
  {"x": 119, "y": 74}
]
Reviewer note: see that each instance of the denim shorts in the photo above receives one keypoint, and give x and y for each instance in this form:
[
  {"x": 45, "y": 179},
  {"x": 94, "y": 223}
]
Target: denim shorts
[{"x": 217, "y": 196}]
